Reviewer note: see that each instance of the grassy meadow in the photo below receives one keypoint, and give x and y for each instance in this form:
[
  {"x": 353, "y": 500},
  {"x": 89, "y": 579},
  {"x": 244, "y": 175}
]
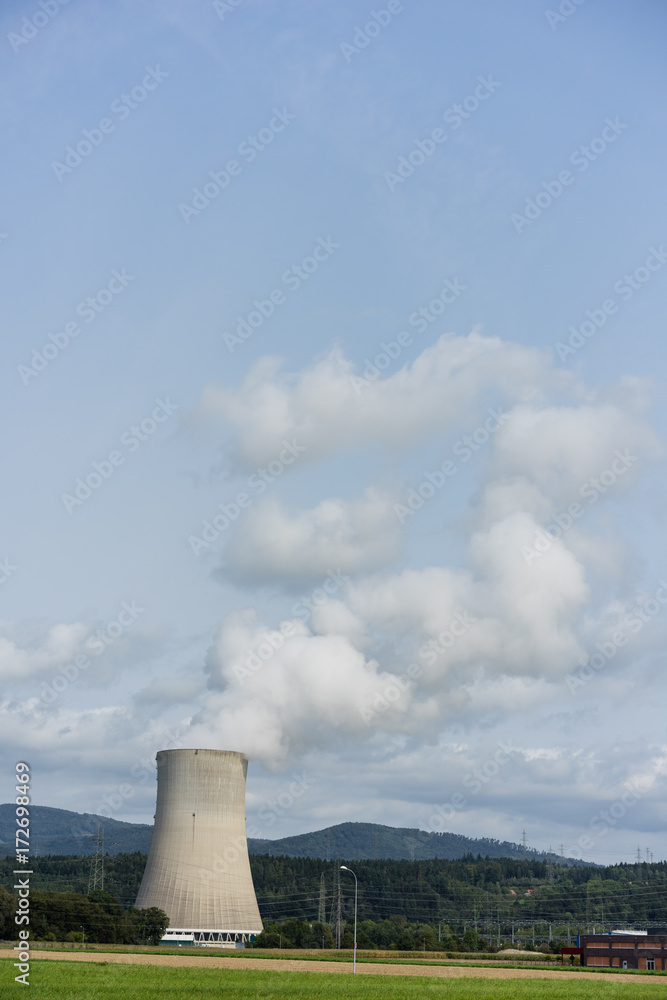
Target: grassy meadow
[{"x": 53, "y": 980}]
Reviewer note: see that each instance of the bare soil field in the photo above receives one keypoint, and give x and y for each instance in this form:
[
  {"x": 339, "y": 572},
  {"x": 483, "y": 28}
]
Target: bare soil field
[{"x": 294, "y": 965}]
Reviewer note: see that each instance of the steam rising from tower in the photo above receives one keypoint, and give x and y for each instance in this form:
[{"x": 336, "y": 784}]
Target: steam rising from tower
[{"x": 198, "y": 869}]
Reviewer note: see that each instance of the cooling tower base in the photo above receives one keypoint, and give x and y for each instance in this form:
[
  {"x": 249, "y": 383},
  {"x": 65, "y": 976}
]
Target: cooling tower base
[{"x": 208, "y": 938}]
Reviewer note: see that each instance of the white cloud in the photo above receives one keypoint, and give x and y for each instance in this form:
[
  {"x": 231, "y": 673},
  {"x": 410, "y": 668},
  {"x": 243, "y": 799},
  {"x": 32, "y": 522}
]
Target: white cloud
[
  {"x": 560, "y": 450},
  {"x": 322, "y": 408},
  {"x": 281, "y": 691},
  {"x": 33, "y": 650},
  {"x": 348, "y": 537},
  {"x": 283, "y": 695}
]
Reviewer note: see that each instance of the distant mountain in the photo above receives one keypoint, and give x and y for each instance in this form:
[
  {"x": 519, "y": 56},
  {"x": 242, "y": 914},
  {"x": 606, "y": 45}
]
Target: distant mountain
[
  {"x": 59, "y": 831},
  {"x": 361, "y": 841}
]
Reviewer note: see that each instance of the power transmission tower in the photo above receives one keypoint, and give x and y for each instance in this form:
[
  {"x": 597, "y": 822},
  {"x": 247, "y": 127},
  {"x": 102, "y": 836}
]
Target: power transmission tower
[
  {"x": 96, "y": 876},
  {"x": 332, "y": 911},
  {"x": 523, "y": 843},
  {"x": 639, "y": 855},
  {"x": 322, "y": 911},
  {"x": 334, "y": 920},
  {"x": 338, "y": 913}
]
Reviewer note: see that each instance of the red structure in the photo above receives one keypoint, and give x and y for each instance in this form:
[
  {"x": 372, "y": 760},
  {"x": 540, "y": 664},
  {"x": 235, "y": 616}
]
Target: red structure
[{"x": 624, "y": 950}]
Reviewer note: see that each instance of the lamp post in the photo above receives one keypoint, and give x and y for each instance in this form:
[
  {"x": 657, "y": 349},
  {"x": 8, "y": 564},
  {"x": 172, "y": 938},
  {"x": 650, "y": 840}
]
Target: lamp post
[
  {"x": 83, "y": 935},
  {"x": 354, "y": 953}
]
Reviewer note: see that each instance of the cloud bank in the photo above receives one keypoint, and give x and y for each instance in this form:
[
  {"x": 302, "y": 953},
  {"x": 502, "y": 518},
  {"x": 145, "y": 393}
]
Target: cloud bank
[{"x": 406, "y": 651}]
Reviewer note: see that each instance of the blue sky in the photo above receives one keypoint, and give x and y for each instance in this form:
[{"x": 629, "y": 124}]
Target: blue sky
[{"x": 538, "y": 209}]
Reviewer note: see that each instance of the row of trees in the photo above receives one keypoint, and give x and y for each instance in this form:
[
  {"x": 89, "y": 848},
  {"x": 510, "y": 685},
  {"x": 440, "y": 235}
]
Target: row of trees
[
  {"x": 70, "y": 916},
  {"x": 395, "y": 934}
]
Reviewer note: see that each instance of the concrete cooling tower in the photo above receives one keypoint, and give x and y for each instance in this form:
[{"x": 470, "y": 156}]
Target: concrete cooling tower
[{"x": 198, "y": 869}]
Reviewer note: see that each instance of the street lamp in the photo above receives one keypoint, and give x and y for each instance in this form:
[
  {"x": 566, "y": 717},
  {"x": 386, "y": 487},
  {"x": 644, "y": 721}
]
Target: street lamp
[
  {"x": 83, "y": 935},
  {"x": 354, "y": 953}
]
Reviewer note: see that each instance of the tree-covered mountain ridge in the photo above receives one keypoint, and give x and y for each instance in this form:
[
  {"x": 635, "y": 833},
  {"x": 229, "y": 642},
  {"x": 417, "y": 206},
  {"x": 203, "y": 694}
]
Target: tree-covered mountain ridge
[
  {"x": 61, "y": 831},
  {"x": 369, "y": 841}
]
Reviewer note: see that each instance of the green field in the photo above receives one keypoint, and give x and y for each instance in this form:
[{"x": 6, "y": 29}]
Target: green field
[{"x": 52, "y": 980}]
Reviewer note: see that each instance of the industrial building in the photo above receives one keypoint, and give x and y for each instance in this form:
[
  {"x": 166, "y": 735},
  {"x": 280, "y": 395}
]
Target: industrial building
[
  {"x": 625, "y": 950},
  {"x": 198, "y": 870}
]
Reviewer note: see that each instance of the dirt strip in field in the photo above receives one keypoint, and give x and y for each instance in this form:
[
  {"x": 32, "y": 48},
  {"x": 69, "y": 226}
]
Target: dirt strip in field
[{"x": 294, "y": 965}]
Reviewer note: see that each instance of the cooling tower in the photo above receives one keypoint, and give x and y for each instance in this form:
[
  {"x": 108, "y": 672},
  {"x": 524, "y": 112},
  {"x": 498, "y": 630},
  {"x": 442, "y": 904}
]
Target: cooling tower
[{"x": 198, "y": 869}]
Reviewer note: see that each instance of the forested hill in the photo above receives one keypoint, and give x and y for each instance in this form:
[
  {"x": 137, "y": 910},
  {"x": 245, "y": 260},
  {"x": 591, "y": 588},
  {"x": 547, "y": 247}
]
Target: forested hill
[
  {"x": 523, "y": 895},
  {"x": 356, "y": 841},
  {"x": 59, "y": 831}
]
